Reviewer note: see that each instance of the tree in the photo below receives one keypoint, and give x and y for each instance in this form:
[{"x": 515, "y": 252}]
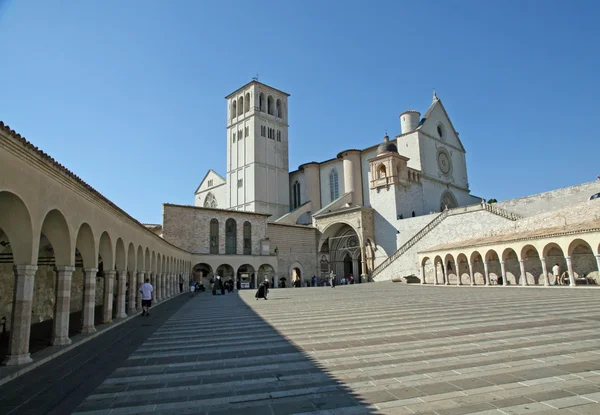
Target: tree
[{"x": 490, "y": 201}]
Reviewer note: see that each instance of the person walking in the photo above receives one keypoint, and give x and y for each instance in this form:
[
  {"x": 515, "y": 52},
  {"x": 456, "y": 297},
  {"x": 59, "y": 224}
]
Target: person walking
[
  {"x": 147, "y": 291},
  {"x": 332, "y": 277},
  {"x": 556, "y": 273}
]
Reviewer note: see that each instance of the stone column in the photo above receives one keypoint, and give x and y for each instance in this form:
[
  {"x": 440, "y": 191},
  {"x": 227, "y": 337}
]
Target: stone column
[
  {"x": 20, "y": 320},
  {"x": 132, "y": 291},
  {"x": 62, "y": 308},
  {"x": 545, "y": 272},
  {"x": 435, "y": 275},
  {"x": 89, "y": 299},
  {"x": 503, "y": 272},
  {"x": 122, "y": 288},
  {"x": 157, "y": 289},
  {"x": 471, "y": 274},
  {"x": 486, "y": 273},
  {"x": 458, "y": 281},
  {"x": 598, "y": 263},
  {"x": 137, "y": 289},
  {"x": 170, "y": 286},
  {"x": 153, "y": 282},
  {"x": 109, "y": 279},
  {"x": 235, "y": 281},
  {"x": 422, "y": 273},
  {"x": 571, "y": 274},
  {"x": 523, "y": 274},
  {"x": 445, "y": 274}
]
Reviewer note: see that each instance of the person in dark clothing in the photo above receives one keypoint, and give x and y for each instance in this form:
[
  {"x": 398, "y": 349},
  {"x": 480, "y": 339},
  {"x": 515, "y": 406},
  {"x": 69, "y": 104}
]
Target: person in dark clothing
[
  {"x": 273, "y": 282},
  {"x": 262, "y": 291}
]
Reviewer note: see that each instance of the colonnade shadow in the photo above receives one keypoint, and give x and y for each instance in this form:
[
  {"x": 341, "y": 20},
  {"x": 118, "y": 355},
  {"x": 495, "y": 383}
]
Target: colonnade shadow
[{"x": 217, "y": 355}]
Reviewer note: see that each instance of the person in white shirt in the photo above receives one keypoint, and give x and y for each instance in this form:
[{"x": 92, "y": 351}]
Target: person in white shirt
[
  {"x": 147, "y": 291},
  {"x": 556, "y": 273}
]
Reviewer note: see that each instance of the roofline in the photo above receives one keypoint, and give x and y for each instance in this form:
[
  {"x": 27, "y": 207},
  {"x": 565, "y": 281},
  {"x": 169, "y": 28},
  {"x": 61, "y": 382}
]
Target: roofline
[
  {"x": 309, "y": 227},
  {"x": 257, "y": 83},
  {"x": 218, "y": 210},
  {"x": 204, "y": 178},
  {"x": 62, "y": 169}
]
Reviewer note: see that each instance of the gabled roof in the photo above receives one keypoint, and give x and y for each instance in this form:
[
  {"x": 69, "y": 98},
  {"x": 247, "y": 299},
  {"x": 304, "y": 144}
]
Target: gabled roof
[
  {"x": 206, "y": 175},
  {"x": 438, "y": 102}
]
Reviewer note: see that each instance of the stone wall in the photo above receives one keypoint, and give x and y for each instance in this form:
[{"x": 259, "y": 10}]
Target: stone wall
[
  {"x": 295, "y": 245},
  {"x": 454, "y": 227},
  {"x": 552, "y": 200},
  {"x": 188, "y": 227}
]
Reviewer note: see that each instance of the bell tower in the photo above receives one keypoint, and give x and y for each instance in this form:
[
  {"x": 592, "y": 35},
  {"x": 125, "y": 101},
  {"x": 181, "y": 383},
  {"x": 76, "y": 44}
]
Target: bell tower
[{"x": 257, "y": 150}]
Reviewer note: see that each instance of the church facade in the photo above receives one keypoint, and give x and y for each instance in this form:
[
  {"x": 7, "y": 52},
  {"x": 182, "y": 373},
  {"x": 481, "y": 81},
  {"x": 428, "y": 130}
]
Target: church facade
[{"x": 355, "y": 202}]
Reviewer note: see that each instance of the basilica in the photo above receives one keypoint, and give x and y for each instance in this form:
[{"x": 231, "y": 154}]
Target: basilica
[{"x": 398, "y": 209}]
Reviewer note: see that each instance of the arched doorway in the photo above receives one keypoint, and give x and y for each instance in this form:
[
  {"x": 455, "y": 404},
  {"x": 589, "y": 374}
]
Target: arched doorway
[
  {"x": 296, "y": 277},
  {"x": 345, "y": 254},
  {"x": 202, "y": 273},
  {"x": 246, "y": 277}
]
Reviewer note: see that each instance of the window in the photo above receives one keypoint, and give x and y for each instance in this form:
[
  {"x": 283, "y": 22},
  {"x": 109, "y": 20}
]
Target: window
[
  {"x": 214, "y": 236},
  {"x": 270, "y": 106},
  {"x": 230, "y": 237},
  {"x": 413, "y": 214},
  {"x": 278, "y": 135},
  {"x": 247, "y": 238},
  {"x": 247, "y": 102},
  {"x": 240, "y": 135},
  {"x": 247, "y": 131},
  {"x": 261, "y": 102},
  {"x": 210, "y": 201},
  {"x": 296, "y": 202},
  {"x": 334, "y": 190},
  {"x": 241, "y": 106},
  {"x": 233, "y": 109},
  {"x": 441, "y": 131},
  {"x": 234, "y": 137},
  {"x": 240, "y": 183},
  {"x": 210, "y": 183},
  {"x": 381, "y": 172},
  {"x": 262, "y": 130},
  {"x": 279, "y": 111}
]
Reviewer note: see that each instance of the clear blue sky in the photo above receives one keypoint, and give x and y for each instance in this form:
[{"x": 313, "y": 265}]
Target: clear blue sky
[{"x": 129, "y": 95}]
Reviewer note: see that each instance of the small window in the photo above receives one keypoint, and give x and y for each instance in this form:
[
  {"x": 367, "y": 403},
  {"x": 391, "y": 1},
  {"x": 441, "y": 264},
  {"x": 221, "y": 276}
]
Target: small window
[
  {"x": 247, "y": 131},
  {"x": 278, "y": 135},
  {"x": 240, "y": 183},
  {"x": 233, "y": 109},
  {"x": 210, "y": 183},
  {"x": 262, "y": 130},
  {"x": 279, "y": 111},
  {"x": 234, "y": 137},
  {"x": 441, "y": 130},
  {"x": 261, "y": 102},
  {"x": 240, "y": 135},
  {"x": 247, "y": 102},
  {"x": 413, "y": 214},
  {"x": 241, "y": 105}
]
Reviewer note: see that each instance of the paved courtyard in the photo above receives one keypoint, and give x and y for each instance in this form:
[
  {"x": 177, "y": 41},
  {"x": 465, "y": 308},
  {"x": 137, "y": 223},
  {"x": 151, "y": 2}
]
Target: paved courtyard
[{"x": 373, "y": 348}]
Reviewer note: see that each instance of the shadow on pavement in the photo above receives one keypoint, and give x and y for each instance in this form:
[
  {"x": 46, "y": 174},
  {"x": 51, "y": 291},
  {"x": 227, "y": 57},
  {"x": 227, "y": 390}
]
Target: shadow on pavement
[{"x": 216, "y": 355}]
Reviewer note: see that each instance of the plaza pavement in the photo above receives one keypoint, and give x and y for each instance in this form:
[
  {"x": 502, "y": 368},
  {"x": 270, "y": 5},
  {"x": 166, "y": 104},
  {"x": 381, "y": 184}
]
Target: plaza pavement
[{"x": 379, "y": 348}]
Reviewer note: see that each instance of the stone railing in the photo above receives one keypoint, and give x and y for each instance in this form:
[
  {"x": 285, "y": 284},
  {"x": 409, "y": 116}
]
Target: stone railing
[
  {"x": 408, "y": 244},
  {"x": 501, "y": 212}
]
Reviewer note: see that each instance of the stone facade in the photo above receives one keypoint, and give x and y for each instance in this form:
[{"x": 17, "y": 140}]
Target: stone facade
[
  {"x": 296, "y": 247},
  {"x": 189, "y": 227}
]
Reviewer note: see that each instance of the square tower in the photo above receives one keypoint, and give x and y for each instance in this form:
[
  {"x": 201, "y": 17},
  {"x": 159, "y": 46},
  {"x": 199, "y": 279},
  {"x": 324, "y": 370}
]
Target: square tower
[{"x": 257, "y": 150}]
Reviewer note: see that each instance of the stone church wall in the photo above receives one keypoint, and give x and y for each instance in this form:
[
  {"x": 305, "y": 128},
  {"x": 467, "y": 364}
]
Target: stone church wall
[
  {"x": 295, "y": 245},
  {"x": 188, "y": 227},
  {"x": 453, "y": 227},
  {"x": 553, "y": 200}
]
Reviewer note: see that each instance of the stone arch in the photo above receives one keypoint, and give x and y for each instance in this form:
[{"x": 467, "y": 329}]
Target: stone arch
[
  {"x": 270, "y": 105},
  {"x": 532, "y": 264},
  {"x": 512, "y": 267},
  {"x": 153, "y": 264},
  {"x": 428, "y": 271},
  {"x": 381, "y": 171},
  {"x": 463, "y": 269},
  {"x": 448, "y": 200},
  {"x": 279, "y": 109},
  {"x": 494, "y": 269},
  {"x": 295, "y": 270},
  {"x": 583, "y": 260},
  {"x": 202, "y": 270},
  {"x": 106, "y": 252},
  {"x": 240, "y": 105},
  {"x": 233, "y": 109},
  {"x": 247, "y": 102},
  {"x": 131, "y": 257},
  {"x": 120, "y": 256},
  {"x": 266, "y": 271},
  {"x": 225, "y": 271},
  {"x": 86, "y": 246},
  {"x": 438, "y": 264},
  {"x": 450, "y": 266},
  {"x": 55, "y": 228},
  {"x": 140, "y": 259},
  {"x": 261, "y": 102},
  {"x": 147, "y": 261},
  {"x": 16, "y": 223},
  {"x": 478, "y": 270}
]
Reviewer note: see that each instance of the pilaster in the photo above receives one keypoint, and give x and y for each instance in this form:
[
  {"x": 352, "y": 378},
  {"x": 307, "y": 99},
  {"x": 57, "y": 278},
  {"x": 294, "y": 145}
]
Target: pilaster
[
  {"x": 121, "y": 292},
  {"x": 89, "y": 299},
  {"x": 109, "y": 281}
]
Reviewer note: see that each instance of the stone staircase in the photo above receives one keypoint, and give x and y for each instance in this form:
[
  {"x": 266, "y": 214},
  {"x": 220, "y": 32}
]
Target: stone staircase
[{"x": 435, "y": 222}]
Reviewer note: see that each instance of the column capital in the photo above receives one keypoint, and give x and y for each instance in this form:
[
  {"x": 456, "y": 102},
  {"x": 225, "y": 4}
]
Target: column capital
[
  {"x": 64, "y": 268},
  {"x": 111, "y": 272},
  {"x": 25, "y": 269},
  {"x": 567, "y": 257},
  {"x": 90, "y": 270}
]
